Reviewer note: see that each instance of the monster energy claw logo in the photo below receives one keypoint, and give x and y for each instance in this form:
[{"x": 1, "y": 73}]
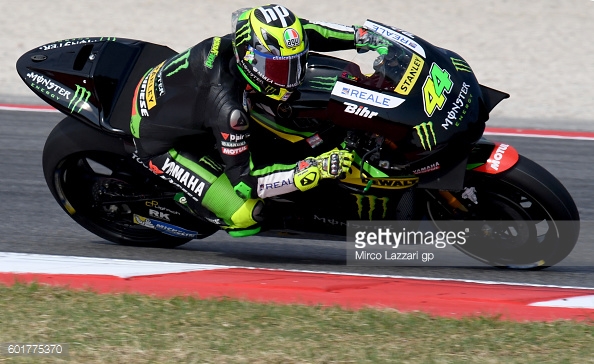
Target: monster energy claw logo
[
  {"x": 243, "y": 34},
  {"x": 81, "y": 96},
  {"x": 206, "y": 160},
  {"x": 182, "y": 57},
  {"x": 373, "y": 202},
  {"x": 426, "y": 135},
  {"x": 460, "y": 65},
  {"x": 323, "y": 83}
]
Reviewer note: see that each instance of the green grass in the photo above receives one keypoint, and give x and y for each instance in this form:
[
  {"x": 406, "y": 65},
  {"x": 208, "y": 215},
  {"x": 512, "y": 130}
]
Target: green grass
[{"x": 128, "y": 328}]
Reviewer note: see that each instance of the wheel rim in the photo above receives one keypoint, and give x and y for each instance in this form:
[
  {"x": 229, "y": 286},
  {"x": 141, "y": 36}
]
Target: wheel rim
[
  {"x": 521, "y": 232},
  {"x": 84, "y": 182}
]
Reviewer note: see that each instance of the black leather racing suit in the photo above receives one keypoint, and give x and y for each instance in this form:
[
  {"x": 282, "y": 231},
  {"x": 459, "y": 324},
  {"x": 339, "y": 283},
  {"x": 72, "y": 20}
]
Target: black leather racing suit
[{"x": 194, "y": 100}]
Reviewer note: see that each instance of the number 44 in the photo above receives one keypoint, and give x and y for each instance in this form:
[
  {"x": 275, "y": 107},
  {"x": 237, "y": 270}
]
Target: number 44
[{"x": 437, "y": 83}]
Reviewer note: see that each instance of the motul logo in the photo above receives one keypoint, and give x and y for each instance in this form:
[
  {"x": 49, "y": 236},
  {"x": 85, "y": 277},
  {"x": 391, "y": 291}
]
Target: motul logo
[
  {"x": 234, "y": 151},
  {"x": 359, "y": 110},
  {"x": 498, "y": 156}
]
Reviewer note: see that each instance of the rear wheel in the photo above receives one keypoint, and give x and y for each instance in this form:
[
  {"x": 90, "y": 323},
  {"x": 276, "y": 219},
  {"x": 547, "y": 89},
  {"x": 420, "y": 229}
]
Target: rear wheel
[
  {"x": 524, "y": 217},
  {"x": 92, "y": 178}
]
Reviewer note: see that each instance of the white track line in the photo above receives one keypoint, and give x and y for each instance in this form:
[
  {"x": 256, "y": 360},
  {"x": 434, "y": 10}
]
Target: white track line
[
  {"x": 57, "y": 264},
  {"x": 26, "y": 108},
  {"x": 570, "y": 302},
  {"x": 528, "y": 135}
]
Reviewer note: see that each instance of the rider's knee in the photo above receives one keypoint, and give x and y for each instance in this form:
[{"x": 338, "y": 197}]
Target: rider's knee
[{"x": 248, "y": 214}]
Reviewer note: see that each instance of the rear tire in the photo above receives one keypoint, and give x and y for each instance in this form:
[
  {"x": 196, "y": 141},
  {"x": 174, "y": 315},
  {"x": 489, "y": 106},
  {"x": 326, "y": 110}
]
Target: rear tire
[{"x": 69, "y": 152}]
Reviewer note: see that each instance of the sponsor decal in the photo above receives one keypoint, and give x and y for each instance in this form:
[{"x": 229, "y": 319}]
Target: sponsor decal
[
  {"x": 269, "y": 89},
  {"x": 243, "y": 34},
  {"x": 323, "y": 83},
  {"x": 142, "y": 104},
  {"x": 81, "y": 97},
  {"x": 426, "y": 135},
  {"x": 248, "y": 56},
  {"x": 410, "y": 76},
  {"x": 164, "y": 227},
  {"x": 159, "y": 215},
  {"x": 460, "y": 108},
  {"x": 211, "y": 164},
  {"x": 460, "y": 65},
  {"x": 372, "y": 202},
  {"x": 180, "y": 62},
  {"x": 237, "y": 120},
  {"x": 308, "y": 179},
  {"x": 185, "y": 178},
  {"x": 359, "y": 110},
  {"x": 234, "y": 137},
  {"x": 365, "y": 96},
  {"x": 73, "y": 41},
  {"x": 213, "y": 53},
  {"x": 329, "y": 221},
  {"x": 503, "y": 157},
  {"x": 498, "y": 156},
  {"x": 232, "y": 144},
  {"x": 48, "y": 87},
  {"x": 314, "y": 141},
  {"x": 234, "y": 151},
  {"x": 150, "y": 97},
  {"x": 395, "y": 183},
  {"x": 154, "y": 168},
  {"x": 273, "y": 13},
  {"x": 292, "y": 38},
  {"x": 155, "y": 205},
  {"x": 395, "y": 36},
  {"x": 276, "y": 184},
  {"x": 430, "y": 168},
  {"x": 437, "y": 84}
]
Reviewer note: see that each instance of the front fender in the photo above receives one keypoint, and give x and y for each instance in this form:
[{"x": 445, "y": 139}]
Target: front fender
[{"x": 492, "y": 157}]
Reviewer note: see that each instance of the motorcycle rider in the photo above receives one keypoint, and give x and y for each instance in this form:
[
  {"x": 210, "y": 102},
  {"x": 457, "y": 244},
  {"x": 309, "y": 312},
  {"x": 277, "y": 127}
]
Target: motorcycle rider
[{"x": 200, "y": 98}]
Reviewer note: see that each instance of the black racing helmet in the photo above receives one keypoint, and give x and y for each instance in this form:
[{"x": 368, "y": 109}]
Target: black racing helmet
[{"x": 271, "y": 49}]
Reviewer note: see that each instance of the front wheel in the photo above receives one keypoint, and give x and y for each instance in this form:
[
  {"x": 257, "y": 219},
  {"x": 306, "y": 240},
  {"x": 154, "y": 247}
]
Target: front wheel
[{"x": 525, "y": 217}]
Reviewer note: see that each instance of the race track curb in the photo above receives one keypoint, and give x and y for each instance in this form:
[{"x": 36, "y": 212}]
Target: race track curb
[{"x": 444, "y": 298}]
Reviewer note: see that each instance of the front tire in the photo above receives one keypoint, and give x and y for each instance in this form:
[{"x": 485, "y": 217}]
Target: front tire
[{"x": 531, "y": 220}]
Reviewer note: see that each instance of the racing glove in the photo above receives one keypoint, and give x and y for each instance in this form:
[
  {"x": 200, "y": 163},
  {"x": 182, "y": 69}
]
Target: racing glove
[
  {"x": 366, "y": 40},
  {"x": 332, "y": 164}
]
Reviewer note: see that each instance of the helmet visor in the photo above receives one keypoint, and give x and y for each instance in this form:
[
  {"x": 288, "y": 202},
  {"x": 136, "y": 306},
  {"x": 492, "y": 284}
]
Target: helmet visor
[{"x": 283, "y": 71}]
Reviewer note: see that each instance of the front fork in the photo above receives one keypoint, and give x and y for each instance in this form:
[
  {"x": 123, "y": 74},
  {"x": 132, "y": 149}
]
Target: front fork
[{"x": 486, "y": 157}]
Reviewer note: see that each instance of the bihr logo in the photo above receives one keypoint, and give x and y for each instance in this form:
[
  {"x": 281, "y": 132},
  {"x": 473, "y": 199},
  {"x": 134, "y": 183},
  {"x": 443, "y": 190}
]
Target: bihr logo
[{"x": 359, "y": 110}]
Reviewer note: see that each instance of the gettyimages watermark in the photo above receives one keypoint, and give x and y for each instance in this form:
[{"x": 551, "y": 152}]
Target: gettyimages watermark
[{"x": 462, "y": 243}]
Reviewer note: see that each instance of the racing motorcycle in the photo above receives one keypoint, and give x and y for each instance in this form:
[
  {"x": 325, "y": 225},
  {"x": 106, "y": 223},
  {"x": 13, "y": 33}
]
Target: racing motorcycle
[{"x": 415, "y": 125}]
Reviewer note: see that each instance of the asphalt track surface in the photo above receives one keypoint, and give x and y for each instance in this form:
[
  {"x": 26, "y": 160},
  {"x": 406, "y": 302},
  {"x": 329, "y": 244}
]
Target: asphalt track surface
[{"x": 33, "y": 222}]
